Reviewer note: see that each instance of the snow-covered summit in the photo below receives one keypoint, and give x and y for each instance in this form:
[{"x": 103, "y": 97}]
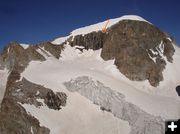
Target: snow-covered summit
[
  {"x": 100, "y": 25},
  {"x": 97, "y": 27},
  {"x": 25, "y": 46}
]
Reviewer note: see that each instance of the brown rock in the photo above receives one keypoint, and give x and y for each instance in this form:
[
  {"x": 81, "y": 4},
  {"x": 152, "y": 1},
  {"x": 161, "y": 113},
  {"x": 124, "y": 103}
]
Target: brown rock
[{"x": 129, "y": 43}]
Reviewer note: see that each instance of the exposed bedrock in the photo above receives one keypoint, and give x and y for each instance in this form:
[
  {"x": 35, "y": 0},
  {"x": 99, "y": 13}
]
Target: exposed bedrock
[
  {"x": 14, "y": 119},
  {"x": 134, "y": 45},
  {"x": 94, "y": 40},
  {"x": 140, "y": 49}
]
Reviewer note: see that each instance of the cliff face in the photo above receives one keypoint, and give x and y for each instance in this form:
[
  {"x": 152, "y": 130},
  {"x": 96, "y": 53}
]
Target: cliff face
[
  {"x": 140, "y": 49},
  {"x": 94, "y": 40},
  {"x": 134, "y": 45}
]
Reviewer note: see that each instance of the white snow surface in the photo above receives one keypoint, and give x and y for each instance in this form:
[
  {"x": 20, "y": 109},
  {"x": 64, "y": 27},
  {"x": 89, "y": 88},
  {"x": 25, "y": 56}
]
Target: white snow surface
[
  {"x": 3, "y": 81},
  {"x": 97, "y": 27},
  {"x": 60, "y": 40},
  {"x": 80, "y": 114},
  {"x": 32, "y": 132},
  {"x": 25, "y": 46}
]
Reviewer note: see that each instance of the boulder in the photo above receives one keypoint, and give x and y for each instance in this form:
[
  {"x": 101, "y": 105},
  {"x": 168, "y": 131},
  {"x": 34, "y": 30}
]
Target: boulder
[{"x": 178, "y": 90}]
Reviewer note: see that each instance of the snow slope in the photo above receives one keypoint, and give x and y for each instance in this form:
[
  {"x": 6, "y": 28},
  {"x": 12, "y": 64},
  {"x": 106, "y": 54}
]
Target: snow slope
[
  {"x": 25, "y": 46},
  {"x": 97, "y": 27},
  {"x": 80, "y": 116},
  {"x": 52, "y": 73},
  {"x": 3, "y": 81}
]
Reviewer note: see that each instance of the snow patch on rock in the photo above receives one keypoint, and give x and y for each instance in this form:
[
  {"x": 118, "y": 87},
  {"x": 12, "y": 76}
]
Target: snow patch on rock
[
  {"x": 25, "y": 46},
  {"x": 3, "y": 80}
]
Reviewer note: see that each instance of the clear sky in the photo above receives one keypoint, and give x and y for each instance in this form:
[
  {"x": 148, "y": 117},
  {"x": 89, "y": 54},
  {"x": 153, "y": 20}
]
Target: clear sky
[{"x": 32, "y": 21}]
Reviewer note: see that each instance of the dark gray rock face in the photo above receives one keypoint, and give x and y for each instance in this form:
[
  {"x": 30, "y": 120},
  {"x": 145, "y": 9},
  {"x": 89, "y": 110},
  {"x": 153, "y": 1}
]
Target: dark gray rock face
[
  {"x": 92, "y": 40},
  {"x": 55, "y": 101},
  {"x": 178, "y": 90}
]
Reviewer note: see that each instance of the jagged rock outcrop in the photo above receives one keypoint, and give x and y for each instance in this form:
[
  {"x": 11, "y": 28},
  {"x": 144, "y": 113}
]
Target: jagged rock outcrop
[
  {"x": 15, "y": 56},
  {"x": 94, "y": 40},
  {"x": 55, "y": 101},
  {"x": 15, "y": 120},
  {"x": 13, "y": 117},
  {"x": 55, "y": 50}
]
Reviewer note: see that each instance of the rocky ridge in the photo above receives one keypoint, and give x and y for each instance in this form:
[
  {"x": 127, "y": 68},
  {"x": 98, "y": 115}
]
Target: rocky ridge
[
  {"x": 141, "y": 51},
  {"x": 14, "y": 118}
]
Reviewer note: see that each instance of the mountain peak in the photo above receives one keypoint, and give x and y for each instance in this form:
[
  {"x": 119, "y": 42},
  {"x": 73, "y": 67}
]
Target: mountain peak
[
  {"x": 130, "y": 71},
  {"x": 98, "y": 27}
]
